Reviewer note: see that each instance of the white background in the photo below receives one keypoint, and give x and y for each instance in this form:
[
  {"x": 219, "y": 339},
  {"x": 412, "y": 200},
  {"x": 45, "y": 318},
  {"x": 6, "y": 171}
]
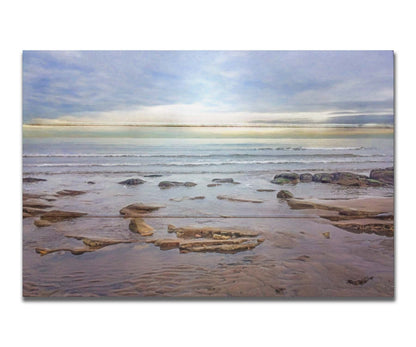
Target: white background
[{"x": 26, "y": 25}]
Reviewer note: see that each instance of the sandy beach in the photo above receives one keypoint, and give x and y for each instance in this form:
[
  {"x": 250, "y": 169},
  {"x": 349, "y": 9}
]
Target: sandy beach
[{"x": 219, "y": 237}]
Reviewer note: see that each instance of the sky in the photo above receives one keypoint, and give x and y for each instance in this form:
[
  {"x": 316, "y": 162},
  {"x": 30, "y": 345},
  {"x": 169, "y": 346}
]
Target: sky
[{"x": 332, "y": 88}]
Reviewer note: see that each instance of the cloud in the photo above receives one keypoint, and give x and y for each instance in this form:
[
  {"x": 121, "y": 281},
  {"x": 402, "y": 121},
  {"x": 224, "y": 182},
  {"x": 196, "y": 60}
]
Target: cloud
[{"x": 204, "y": 86}]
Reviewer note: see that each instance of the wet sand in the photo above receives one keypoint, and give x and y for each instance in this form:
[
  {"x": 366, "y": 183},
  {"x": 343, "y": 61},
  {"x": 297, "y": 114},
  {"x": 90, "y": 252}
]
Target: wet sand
[{"x": 303, "y": 254}]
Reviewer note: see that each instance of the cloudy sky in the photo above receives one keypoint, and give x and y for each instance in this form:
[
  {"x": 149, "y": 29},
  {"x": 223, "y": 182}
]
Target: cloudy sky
[{"x": 208, "y": 87}]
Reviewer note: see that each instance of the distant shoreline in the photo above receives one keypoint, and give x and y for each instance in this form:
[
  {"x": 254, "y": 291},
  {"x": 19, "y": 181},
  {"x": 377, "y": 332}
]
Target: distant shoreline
[{"x": 295, "y": 126}]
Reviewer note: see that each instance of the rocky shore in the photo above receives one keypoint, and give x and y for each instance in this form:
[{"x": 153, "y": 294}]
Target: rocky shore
[
  {"x": 377, "y": 178},
  {"x": 275, "y": 247}
]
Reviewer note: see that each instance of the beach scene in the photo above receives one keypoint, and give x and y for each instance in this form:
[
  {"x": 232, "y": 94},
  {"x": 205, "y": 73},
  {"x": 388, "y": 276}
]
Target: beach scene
[{"x": 196, "y": 174}]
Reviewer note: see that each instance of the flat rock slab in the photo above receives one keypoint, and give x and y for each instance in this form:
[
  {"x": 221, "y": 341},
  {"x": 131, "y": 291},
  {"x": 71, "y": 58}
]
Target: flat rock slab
[
  {"x": 209, "y": 232},
  {"x": 32, "y": 179},
  {"x": 137, "y": 209},
  {"x": 225, "y": 180},
  {"x": 92, "y": 245},
  {"x": 188, "y": 198},
  {"x": 57, "y": 216},
  {"x": 171, "y": 184},
  {"x": 266, "y": 190},
  {"x": 68, "y": 192},
  {"x": 238, "y": 199},
  {"x": 36, "y": 203},
  {"x": 218, "y": 246}
]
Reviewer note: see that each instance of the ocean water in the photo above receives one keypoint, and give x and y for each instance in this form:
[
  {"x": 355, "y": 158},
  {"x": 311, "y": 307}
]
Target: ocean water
[
  {"x": 59, "y": 152},
  {"x": 70, "y": 157}
]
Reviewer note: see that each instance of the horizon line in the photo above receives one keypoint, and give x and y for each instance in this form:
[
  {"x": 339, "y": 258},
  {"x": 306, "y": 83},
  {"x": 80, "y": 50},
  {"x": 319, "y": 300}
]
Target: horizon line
[{"x": 263, "y": 125}]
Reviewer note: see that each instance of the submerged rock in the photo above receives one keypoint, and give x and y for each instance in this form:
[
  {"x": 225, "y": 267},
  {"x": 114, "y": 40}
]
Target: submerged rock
[
  {"x": 138, "y": 225},
  {"x": 188, "y": 198},
  {"x": 138, "y": 209},
  {"x": 382, "y": 229},
  {"x": 213, "y": 184},
  {"x": 92, "y": 246},
  {"x": 170, "y": 184},
  {"x": 284, "y": 194},
  {"x": 230, "y": 198},
  {"x": 68, "y": 192},
  {"x": 153, "y": 175},
  {"x": 45, "y": 251},
  {"x": 99, "y": 243},
  {"x": 360, "y": 281},
  {"x": 57, "y": 216},
  {"x": 225, "y": 180},
  {"x": 32, "y": 179},
  {"x": 266, "y": 190},
  {"x": 132, "y": 182}
]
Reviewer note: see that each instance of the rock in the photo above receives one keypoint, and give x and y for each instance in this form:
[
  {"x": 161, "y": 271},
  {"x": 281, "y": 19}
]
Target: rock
[
  {"x": 90, "y": 182},
  {"x": 36, "y": 203},
  {"x": 266, "y": 190},
  {"x": 99, "y": 243},
  {"x": 374, "y": 183},
  {"x": 33, "y": 211},
  {"x": 224, "y": 180},
  {"x": 138, "y": 225},
  {"x": 68, "y": 192},
  {"x": 32, "y": 179},
  {"x": 284, "y": 194},
  {"x": 303, "y": 258},
  {"x": 348, "y": 179},
  {"x": 300, "y": 204},
  {"x": 322, "y": 178},
  {"x": 230, "y": 198},
  {"x": 213, "y": 185},
  {"x": 136, "y": 210},
  {"x": 226, "y": 246},
  {"x": 132, "y": 182},
  {"x": 208, "y": 232},
  {"x": 45, "y": 251},
  {"x": 166, "y": 244},
  {"x": 360, "y": 281},
  {"x": 286, "y": 178},
  {"x": 219, "y": 237},
  {"x": 188, "y": 198},
  {"x": 382, "y": 229},
  {"x": 40, "y": 223},
  {"x": 170, "y": 184},
  {"x": 383, "y": 175},
  {"x": 57, "y": 216},
  {"x": 260, "y": 240},
  {"x": 326, "y": 235},
  {"x": 305, "y": 177},
  {"x": 26, "y": 215},
  {"x": 153, "y": 175}
]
